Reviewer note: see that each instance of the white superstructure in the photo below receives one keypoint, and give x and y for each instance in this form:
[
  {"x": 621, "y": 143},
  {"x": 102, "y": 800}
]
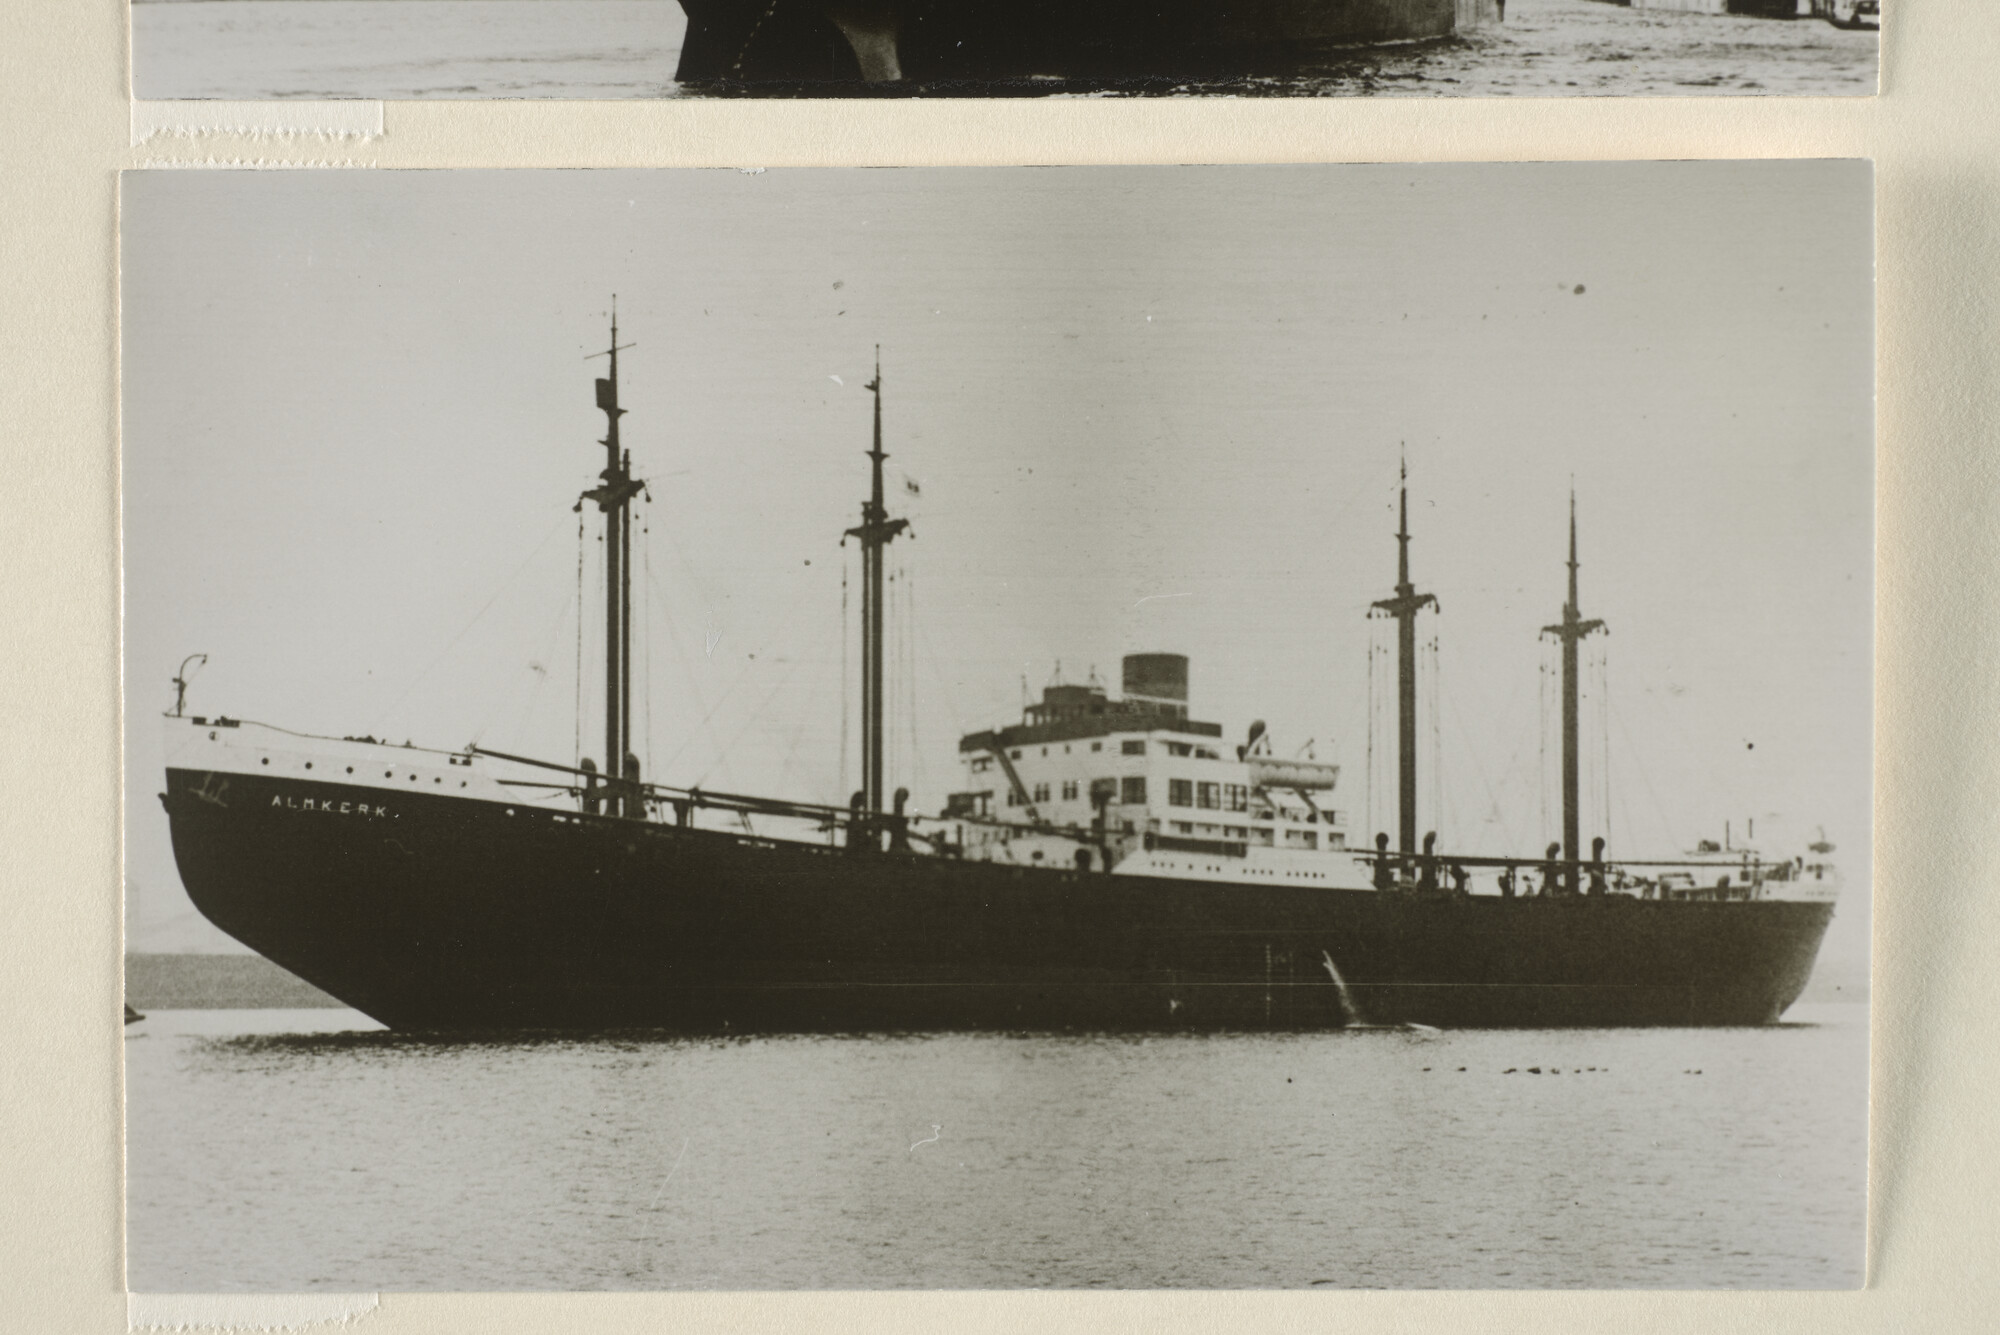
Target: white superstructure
[{"x": 1135, "y": 783}]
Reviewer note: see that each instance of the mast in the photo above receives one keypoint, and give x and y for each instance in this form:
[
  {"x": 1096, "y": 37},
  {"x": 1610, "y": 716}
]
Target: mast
[
  {"x": 1404, "y": 607},
  {"x": 614, "y": 499},
  {"x": 1571, "y": 631},
  {"x": 875, "y": 532}
]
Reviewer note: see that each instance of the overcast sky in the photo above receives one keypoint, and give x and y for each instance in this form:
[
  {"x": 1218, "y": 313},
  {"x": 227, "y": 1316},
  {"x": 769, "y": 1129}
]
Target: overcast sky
[{"x": 1146, "y": 409}]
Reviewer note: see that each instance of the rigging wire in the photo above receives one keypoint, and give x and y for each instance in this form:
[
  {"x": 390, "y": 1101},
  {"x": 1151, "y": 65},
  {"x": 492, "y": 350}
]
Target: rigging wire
[
  {"x": 598, "y": 590},
  {"x": 1645, "y": 778},
  {"x": 804, "y": 726},
  {"x": 1586, "y": 759},
  {"x": 1624, "y": 807},
  {"x": 785, "y": 620},
  {"x": 576, "y": 748},
  {"x": 1389, "y": 731},
  {"x": 930, "y": 657},
  {"x": 906, "y": 705},
  {"x": 1368, "y": 786},
  {"x": 702, "y": 588},
  {"x": 1438, "y": 822},
  {"x": 796, "y": 738},
  {"x": 841, "y": 797},
  {"x": 1427, "y": 707},
  {"x": 646, "y": 633},
  {"x": 466, "y": 629},
  {"x": 538, "y": 677},
  {"x": 1586, "y": 711},
  {"x": 722, "y": 756},
  {"x": 1542, "y": 740},
  {"x": 906, "y": 668},
  {"x": 892, "y": 685},
  {"x": 1472, "y": 756},
  {"x": 917, "y": 719},
  {"x": 1387, "y": 794},
  {"x": 919, "y": 772},
  {"x": 1604, "y": 729},
  {"x": 658, "y": 588}
]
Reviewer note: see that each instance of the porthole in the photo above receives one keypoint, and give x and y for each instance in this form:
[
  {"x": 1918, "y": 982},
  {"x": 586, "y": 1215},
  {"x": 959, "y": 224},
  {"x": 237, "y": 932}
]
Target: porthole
[
  {"x": 265, "y": 760},
  {"x": 413, "y": 778},
  {"x": 387, "y": 775},
  {"x": 439, "y": 779},
  {"x": 350, "y": 769},
  {"x": 309, "y": 764}
]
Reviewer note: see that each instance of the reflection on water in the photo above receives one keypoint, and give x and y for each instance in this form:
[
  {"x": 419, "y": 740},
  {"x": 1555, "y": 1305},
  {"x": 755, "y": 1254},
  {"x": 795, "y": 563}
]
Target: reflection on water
[
  {"x": 288, "y": 1151},
  {"x": 629, "y": 48}
]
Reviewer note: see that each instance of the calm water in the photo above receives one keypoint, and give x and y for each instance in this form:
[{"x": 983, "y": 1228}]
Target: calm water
[
  {"x": 299, "y": 1150},
  {"x": 629, "y": 48}
]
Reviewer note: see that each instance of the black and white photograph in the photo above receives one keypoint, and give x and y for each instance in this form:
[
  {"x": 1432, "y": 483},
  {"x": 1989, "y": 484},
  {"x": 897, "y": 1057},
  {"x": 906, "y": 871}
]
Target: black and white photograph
[
  {"x": 1264, "y": 727},
  {"x": 418, "y": 49}
]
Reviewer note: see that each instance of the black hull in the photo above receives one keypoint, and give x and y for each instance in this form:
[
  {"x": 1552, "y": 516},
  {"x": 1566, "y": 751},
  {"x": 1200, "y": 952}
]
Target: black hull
[
  {"x": 438, "y": 913},
  {"x": 940, "y": 42}
]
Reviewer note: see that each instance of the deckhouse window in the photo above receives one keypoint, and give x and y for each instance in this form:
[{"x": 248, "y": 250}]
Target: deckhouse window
[
  {"x": 1235, "y": 797},
  {"x": 1134, "y": 748},
  {"x": 1097, "y": 746},
  {"x": 1069, "y": 790},
  {"x": 1208, "y": 795},
  {"x": 1132, "y": 789},
  {"x": 980, "y": 764},
  {"x": 1041, "y": 792},
  {"x": 1180, "y": 792},
  {"x": 1179, "y": 749},
  {"x": 1206, "y": 753}
]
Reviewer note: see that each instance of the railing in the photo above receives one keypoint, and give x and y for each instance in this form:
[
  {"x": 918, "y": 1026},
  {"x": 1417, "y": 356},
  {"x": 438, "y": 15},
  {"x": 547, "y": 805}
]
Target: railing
[{"x": 684, "y": 802}]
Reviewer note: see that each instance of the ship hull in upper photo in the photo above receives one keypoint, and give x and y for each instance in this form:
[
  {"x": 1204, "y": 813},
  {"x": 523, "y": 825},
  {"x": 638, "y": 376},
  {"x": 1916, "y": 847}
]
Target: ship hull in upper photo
[
  {"x": 242, "y": 50},
  {"x": 886, "y": 42}
]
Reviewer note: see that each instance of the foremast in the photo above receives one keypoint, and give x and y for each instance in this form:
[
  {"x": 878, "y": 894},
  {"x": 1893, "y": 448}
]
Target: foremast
[
  {"x": 1404, "y": 608},
  {"x": 1572, "y": 630},
  {"x": 614, "y": 501},
  {"x": 875, "y": 532}
]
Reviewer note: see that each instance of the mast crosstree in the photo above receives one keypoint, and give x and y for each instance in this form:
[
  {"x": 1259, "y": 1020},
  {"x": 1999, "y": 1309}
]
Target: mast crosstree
[
  {"x": 875, "y": 532},
  {"x": 1572, "y": 630},
  {"x": 614, "y": 500},
  {"x": 1404, "y": 608}
]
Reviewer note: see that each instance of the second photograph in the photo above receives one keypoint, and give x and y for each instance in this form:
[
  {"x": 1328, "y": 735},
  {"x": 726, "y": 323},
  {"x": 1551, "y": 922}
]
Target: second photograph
[{"x": 1258, "y": 727}]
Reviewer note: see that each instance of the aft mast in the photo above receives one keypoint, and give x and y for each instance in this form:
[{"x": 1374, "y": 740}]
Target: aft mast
[
  {"x": 614, "y": 499},
  {"x": 875, "y": 532},
  {"x": 1572, "y": 630},
  {"x": 1404, "y": 607}
]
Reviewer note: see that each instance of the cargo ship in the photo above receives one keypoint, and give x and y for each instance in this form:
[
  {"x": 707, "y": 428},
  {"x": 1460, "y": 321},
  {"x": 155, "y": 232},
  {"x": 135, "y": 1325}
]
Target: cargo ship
[
  {"x": 907, "y": 45},
  {"x": 1108, "y": 863}
]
